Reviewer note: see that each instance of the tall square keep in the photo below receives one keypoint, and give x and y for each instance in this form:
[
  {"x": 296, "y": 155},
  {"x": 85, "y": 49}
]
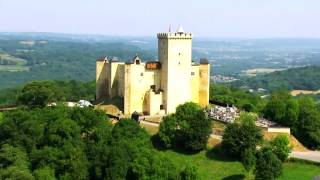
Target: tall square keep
[{"x": 155, "y": 87}]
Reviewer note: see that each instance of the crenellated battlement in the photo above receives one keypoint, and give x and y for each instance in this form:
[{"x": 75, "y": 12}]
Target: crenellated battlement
[{"x": 174, "y": 35}]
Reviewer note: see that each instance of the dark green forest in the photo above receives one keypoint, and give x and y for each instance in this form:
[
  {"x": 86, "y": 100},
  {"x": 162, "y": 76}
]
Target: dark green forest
[{"x": 78, "y": 143}]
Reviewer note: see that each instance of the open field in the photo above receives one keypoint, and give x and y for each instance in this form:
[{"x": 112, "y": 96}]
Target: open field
[
  {"x": 305, "y": 92},
  {"x": 214, "y": 165},
  {"x": 13, "y": 68},
  {"x": 12, "y": 60},
  {"x": 256, "y": 71},
  {"x": 10, "y": 63}
]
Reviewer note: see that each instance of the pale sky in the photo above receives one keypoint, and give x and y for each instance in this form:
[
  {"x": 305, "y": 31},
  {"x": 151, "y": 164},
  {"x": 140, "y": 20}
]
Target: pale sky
[{"x": 205, "y": 18}]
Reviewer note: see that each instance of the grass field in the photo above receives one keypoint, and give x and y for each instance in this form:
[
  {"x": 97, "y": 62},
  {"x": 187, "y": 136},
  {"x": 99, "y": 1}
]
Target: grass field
[
  {"x": 213, "y": 165},
  {"x": 14, "y": 64},
  {"x": 12, "y": 59},
  {"x": 13, "y": 68}
]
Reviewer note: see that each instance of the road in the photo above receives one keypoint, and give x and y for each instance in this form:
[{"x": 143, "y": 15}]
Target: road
[{"x": 307, "y": 155}]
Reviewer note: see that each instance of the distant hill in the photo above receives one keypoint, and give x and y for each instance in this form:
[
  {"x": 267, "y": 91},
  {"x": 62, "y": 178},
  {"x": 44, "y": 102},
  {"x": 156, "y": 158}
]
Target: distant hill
[
  {"x": 303, "y": 78},
  {"x": 26, "y": 60}
]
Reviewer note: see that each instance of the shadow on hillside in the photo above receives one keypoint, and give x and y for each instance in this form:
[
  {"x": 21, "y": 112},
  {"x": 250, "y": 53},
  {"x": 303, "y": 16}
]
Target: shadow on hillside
[
  {"x": 218, "y": 155},
  {"x": 178, "y": 147},
  {"x": 157, "y": 143},
  {"x": 234, "y": 177}
]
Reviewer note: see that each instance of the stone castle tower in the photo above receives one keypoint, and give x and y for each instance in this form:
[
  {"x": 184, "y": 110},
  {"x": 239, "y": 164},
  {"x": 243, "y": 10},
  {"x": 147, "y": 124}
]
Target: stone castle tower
[
  {"x": 156, "y": 87},
  {"x": 175, "y": 54}
]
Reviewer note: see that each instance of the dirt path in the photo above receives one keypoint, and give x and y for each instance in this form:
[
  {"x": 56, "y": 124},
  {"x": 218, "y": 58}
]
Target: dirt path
[
  {"x": 150, "y": 123},
  {"x": 308, "y": 155}
]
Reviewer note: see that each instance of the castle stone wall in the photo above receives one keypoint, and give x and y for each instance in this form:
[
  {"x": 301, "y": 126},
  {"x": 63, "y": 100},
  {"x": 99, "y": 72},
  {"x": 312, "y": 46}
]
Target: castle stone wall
[
  {"x": 204, "y": 85},
  {"x": 156, "y": 87},
  {"x": 195, "y": 83},
  {"x": 101, "y": 79}
]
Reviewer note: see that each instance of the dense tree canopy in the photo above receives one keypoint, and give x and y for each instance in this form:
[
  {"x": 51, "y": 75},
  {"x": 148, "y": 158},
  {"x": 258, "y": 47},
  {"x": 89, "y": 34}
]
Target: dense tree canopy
[
  {"x": 309, "y": 123},
  {"x": 300, "y": 114},
  {"x": 78, "y": 143},
  {"x": 280, "y": 146},
  {"x": 268, "y": 166},
  {"x": 38, "y": 93},
  {"x": 248, "y": 159},
  {"x": 167, "y": 131},
  {"x": 195, "y": 126},
  {"x": 239, "y": 137},
  {"x": 245, "y": 100},
  {"x": 189, "y": 127}
]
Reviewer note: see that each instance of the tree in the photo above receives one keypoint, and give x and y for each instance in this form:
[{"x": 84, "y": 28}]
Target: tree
[
  {"x": 98, "y": 150},
  {"x": 190, "y": 173},
  {"x": 249, "y": 107},
  {"x": 14, "y": 163},
  {"x": 283, "y": 109},
  {"x": 280, "y": 146},
  {"x": 87, "y": 119},
  {"x": 268, "y": 166},
  {"x": 245, "y": 100},
  {"x": 195, "y": 126},
  {"x": 46, "y": 173},
  {"x": 129, "y": 130},
  {"x": 292, "y": 114},
  {"x": 240, "y": 136},
  {"x": 309, "y": 123},
  {"x": 248, "y": 159},
  {"x": 36, "y": 94},
  {"x": 167, "y": 131},
  {"x": 22, "y": 128},
  {"x": 275, "y": 109},
  {"x": 1, "y": 117},
  {"x": 151, "y": 165}
]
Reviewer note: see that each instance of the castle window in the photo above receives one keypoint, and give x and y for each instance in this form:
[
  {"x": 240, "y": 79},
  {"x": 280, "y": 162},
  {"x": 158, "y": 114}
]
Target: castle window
[
  {"x": 153, "y": 87},
  {"x": 192, "y": 73},
  {"x": 161, "y": 107},
  {"x": 141, "y": 74}
]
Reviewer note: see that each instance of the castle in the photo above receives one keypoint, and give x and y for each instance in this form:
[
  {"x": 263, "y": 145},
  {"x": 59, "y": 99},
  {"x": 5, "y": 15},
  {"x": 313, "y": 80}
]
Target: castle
[{"x": 156, "y": 87}]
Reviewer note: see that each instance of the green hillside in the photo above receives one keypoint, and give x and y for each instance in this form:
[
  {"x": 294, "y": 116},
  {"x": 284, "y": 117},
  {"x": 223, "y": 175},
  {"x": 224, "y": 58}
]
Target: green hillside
[
  {"x": 213, "y": 165},
  {"x": 303, "y": 78},
  {"x": 22, "y": 61}
]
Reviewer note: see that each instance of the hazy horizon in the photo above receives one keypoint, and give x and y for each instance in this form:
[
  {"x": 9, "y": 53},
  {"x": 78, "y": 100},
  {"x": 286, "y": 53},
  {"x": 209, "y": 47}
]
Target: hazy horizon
[{"x": 204, "y": 18}]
